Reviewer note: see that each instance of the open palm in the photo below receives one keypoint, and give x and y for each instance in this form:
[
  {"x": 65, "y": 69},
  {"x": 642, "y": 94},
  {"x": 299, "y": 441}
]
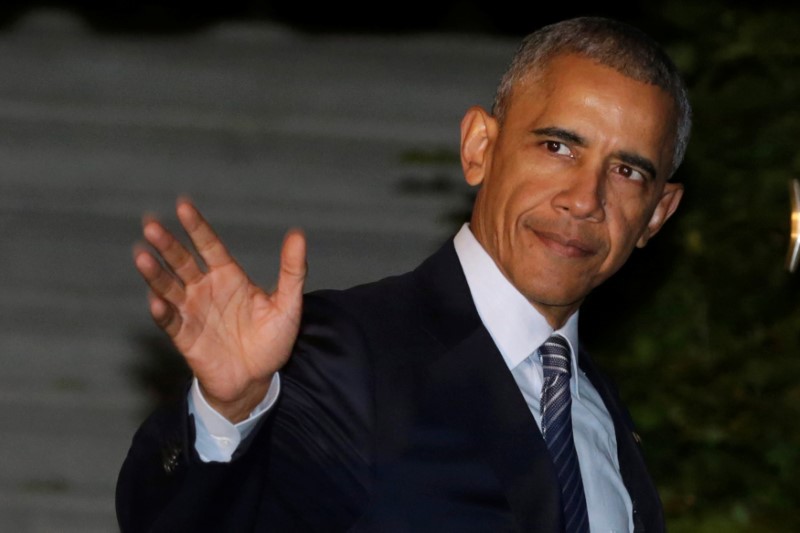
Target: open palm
[{"x": 233, "y": 335}]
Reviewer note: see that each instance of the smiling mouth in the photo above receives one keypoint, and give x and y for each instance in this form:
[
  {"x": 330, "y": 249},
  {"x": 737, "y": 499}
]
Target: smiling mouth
[{"x": 564, "y": 246}]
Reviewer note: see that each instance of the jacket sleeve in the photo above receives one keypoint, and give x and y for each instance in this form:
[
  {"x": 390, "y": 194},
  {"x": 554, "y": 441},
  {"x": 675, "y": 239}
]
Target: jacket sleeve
[{"x": 306, "y": 468}]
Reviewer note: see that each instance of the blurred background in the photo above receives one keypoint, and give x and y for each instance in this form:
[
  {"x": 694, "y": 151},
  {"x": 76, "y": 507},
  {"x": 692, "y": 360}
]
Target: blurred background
[{"x": 344, "y": 121}]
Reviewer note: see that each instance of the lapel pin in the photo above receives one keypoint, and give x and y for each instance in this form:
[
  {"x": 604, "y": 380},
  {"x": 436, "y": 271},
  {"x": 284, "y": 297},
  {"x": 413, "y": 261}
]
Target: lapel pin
[{"x": 637, "y": 438}]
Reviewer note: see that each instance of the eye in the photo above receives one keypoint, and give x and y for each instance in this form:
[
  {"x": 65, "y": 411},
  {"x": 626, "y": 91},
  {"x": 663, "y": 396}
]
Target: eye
[
  {"x": 556, "y": 147},
  {"x": 630, "y": 173}
]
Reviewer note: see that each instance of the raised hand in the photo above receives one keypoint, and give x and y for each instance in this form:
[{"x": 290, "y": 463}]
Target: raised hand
[{"x": 233, "y": 335}]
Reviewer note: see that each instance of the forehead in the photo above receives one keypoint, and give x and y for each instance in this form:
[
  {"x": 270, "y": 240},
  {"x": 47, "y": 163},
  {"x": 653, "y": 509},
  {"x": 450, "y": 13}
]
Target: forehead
[{"x": 598, "y": 103}]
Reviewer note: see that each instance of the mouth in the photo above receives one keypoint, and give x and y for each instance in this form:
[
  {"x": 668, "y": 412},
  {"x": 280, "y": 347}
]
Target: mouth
[{"x": 565, "y": 246}]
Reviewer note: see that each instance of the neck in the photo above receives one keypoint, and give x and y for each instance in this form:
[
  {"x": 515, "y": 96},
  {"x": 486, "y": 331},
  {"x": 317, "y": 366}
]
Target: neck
[{"x": 556, "y": 315}]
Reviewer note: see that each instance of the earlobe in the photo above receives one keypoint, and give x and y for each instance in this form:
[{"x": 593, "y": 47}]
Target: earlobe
[
  {"x": 477, "y": 133},
  {"x": 667, "y": 204}
]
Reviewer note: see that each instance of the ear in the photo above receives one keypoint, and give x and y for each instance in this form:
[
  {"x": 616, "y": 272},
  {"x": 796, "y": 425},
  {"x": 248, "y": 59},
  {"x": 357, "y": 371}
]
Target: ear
[
  {"x": 667, "y": 204},
  {"x": 478, "y": 131}
]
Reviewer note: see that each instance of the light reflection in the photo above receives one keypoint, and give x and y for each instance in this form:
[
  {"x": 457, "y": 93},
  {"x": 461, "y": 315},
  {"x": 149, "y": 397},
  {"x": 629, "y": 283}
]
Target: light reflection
[{"x": 793, "y": 256}]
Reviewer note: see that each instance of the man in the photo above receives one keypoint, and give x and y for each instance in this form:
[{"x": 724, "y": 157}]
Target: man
[{"x": 454, "y": 397}]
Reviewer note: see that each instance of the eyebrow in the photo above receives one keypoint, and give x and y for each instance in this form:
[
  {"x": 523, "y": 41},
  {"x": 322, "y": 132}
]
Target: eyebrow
[
  {"x": 629, "y": 158},
  {"x": 561, "y": 134}
]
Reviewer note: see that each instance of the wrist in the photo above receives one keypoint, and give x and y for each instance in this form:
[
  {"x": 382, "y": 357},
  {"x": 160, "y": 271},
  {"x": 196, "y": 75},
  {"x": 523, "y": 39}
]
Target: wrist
[{"x": 237, "y": 409}]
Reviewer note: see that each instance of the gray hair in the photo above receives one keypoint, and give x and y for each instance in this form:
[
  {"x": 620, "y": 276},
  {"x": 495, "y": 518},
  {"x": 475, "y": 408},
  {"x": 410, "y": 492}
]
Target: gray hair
[{"x": 614, "y": 44}]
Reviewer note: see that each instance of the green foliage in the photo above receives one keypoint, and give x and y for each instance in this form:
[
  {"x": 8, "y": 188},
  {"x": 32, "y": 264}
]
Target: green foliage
[{"x": 708, "y": 353}]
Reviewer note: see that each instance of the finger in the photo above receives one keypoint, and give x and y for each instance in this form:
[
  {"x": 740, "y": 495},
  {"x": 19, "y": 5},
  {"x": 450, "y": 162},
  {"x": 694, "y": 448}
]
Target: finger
[
  {"x": 164, "y": 315},
  {"x": 179, "y": 259},
  {"x": 293, "y": 269},
  {"x": 205, "y": 240},
  {"x": 161, "y": 282}
]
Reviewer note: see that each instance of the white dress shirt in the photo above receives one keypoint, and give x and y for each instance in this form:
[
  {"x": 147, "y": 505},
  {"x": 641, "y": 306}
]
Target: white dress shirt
[{"x": 517, "y": 329}]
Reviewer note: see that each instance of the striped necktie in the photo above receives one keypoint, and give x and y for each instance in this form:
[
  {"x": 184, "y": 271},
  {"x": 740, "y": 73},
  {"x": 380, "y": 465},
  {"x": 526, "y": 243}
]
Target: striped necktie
[{"x": 557, "y": 431}]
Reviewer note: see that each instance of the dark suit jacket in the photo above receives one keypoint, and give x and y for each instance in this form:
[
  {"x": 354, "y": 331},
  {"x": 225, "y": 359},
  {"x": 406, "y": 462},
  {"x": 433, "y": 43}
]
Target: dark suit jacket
[{"x": 397, "y": 413}]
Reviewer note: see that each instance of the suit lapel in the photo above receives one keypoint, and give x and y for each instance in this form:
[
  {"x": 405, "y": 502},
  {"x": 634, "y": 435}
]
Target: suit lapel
[
  {"x": 647, "y": 510},
  {"x": 488, "y": 404},
  {"x": 472, "y": 390}
]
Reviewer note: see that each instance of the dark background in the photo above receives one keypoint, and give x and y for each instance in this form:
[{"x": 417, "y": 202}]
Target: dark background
[
  {"x": 503, "y": 17},
  {"x": 407, "y": 16}
]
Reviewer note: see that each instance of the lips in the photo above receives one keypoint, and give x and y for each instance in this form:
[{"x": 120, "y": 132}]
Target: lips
[{"x": 565, "y": 246}]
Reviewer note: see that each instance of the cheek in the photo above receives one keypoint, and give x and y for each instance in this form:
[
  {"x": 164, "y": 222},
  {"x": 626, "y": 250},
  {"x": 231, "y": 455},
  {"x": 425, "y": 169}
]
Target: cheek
[
  {"x": 624, "y": 230},
  {"x": 628, "y": 208},
  {"x": 501, "y": 198}
]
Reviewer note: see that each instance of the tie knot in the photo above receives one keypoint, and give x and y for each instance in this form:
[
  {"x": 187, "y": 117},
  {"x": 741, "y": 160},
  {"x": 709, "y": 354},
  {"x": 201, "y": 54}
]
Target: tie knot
[{"x": 555, "y": 356}]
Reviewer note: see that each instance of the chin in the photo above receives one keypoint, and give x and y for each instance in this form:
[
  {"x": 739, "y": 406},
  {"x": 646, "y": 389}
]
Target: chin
[{"x": 552, "y": 297}]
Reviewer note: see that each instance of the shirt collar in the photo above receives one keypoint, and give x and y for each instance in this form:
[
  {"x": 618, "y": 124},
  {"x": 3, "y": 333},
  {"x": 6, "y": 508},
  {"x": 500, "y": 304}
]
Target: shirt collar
[{"x": 516, "y": 326}]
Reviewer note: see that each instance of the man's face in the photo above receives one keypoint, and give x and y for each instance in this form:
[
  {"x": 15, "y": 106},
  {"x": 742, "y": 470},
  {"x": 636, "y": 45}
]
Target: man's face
[{"x": 572, "y": 181}]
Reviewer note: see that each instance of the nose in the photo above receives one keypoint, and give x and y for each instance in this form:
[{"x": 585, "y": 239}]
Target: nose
[{"x": 583, "y": 196}]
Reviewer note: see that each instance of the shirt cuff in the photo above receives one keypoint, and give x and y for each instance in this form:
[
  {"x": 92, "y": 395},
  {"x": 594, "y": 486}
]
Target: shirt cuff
[{"x": 216, "y": 438}]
